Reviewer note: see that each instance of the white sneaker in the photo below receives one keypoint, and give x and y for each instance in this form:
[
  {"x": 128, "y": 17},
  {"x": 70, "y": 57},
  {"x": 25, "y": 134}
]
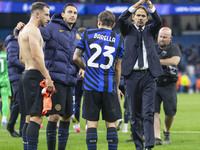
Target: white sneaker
[
  {"x": 125, "y": 128},
  {"x": 4, "y": 121},
  {"x": 77, "y": 127}
]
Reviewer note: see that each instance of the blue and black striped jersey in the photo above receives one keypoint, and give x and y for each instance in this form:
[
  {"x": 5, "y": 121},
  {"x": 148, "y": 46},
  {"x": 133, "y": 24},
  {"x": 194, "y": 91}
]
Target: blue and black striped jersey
[{"x": 102, "y": 48}]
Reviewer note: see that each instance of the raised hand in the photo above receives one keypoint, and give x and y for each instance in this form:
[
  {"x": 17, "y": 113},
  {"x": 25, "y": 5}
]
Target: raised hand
[
  {"x": 147, "y": 1},
  {"x": 20, "y": 26},
  {"x": 142, "y": 1}
]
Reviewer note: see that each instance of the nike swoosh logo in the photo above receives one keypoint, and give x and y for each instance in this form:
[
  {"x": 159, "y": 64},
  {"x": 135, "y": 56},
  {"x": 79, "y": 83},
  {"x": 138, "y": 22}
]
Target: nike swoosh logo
[{"x": 61, "y": 30}]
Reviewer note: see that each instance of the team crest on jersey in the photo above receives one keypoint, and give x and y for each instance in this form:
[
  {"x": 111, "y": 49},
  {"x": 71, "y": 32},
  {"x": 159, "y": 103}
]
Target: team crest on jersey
[
  {"x": 61, "y": 30},
  {"x": 78, "y": 36},
  {"x": 58, "y": 107}
]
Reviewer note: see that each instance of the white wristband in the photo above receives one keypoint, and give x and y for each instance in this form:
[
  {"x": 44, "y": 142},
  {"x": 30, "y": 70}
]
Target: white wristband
[
  {"x": 152, "y": 10},
  {"x": 131, "y": 9}
]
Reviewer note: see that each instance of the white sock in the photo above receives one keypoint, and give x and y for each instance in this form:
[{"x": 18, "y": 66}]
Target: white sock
[
  {"x": 4, "y": 119},
  {"x": 125, "y": 126}
]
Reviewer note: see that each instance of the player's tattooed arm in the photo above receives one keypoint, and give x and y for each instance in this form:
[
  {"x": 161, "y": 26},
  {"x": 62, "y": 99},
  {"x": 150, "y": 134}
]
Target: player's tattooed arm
[
  {"x": 77, "y": 58},
  {"x": 79, "y": 52}
]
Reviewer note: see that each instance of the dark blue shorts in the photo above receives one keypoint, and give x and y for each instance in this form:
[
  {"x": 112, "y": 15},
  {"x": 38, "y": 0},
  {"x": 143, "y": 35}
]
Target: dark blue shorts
[{"x": 62, "y": 100}]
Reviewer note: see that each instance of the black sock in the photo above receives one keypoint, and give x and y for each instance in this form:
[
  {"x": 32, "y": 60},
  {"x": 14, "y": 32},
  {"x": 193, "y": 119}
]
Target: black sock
[
  {"x": 24, "y": 136},
  {"x": 63, "y": 134},
  {"x": 91, "y": 138},
  {"x": 32, "y": 134},
  {"x": 125, "y": 116},
  {"x": 112, "y": 138},
  {"x": 51, "y": 135}
]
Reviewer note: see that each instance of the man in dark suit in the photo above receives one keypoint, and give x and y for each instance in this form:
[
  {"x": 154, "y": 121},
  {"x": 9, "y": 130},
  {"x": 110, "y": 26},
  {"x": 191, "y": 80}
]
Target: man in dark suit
[{"x": 140, "y": 67}]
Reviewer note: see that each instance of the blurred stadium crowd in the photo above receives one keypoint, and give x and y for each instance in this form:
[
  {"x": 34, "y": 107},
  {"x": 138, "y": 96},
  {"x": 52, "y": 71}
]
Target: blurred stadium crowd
[{"x": 115, "y": 1}]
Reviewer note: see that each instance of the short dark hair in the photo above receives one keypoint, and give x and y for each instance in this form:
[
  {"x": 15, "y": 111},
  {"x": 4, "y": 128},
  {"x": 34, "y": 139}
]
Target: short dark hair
[
  {"x": 143, "y": 7},
  {"x": 107, "y": 18},
  {"x": 38, "y": 6},
  {"x": 64, "y": 8}
]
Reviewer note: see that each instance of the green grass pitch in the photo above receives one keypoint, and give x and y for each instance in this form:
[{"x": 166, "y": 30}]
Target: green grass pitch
[{"x": 185, "y": 131}]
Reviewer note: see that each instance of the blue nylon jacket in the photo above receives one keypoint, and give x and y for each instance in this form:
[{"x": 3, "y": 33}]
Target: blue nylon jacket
[
  {"x": 15, "y": 68},
  {"x": 59, "y": 47}
]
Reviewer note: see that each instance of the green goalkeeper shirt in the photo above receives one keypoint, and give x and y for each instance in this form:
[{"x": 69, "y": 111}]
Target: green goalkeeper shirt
[{"x": 4, "y": 78}]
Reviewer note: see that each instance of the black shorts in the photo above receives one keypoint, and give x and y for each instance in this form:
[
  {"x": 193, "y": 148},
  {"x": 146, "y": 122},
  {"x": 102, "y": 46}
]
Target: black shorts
[
  {"x": 167, "y": 94},
  {"x": 95, "y": 101},
  {"x": 31, "y": 92},
  {"x": 62, "y": 100},
  {"x": 22, "y": 109}
]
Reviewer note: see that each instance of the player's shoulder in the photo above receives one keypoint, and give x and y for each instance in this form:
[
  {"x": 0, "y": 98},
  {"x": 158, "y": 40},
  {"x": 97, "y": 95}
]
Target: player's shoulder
[
  {"x": 91, "y": 31},
  {"x": 33, "y": 30},
  {"x": 30, "y": 29}
]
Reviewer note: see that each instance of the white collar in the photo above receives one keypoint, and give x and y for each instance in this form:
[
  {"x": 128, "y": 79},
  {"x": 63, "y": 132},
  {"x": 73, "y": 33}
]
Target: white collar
[{"x": 138, "y": 27}]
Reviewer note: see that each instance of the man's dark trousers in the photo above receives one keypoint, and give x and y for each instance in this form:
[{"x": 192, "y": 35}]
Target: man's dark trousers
[
  {"x": 78, "y": 95},
  {"x": 15, "y": 108},
  {"x": 140, "y": 89}
]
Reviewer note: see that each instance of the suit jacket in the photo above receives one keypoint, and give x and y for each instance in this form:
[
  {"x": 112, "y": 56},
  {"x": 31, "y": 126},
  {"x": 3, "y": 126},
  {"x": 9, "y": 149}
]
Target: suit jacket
[{"x": 131, "y": 44}]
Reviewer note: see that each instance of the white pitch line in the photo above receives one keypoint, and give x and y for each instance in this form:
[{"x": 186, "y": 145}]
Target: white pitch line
[
  {"x": 185, "y": 132},
  {"x": 180, "y": 132}
]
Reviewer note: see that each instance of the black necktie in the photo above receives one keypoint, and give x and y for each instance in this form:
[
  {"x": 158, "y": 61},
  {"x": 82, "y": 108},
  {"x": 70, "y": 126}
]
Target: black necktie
[{"x": 140, "y": 54}]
